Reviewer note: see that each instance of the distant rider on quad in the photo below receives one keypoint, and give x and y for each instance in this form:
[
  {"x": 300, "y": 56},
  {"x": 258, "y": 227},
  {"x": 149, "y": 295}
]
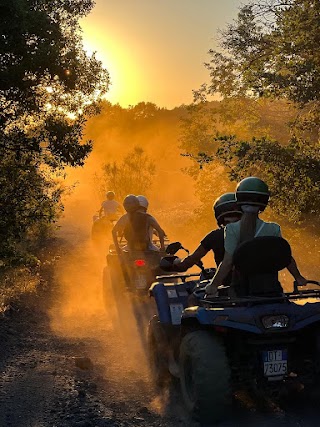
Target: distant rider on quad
[
  {"x": 252, "y": 196},
  {"x": 135, "y": 226},
  {"x": 110, "y": 208},
  {"x": 226, "y": 211}
]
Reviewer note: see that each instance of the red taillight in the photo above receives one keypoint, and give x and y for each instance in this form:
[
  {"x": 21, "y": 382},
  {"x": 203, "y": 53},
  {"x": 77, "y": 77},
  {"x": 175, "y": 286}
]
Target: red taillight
[{"x": 140, "y": 262}]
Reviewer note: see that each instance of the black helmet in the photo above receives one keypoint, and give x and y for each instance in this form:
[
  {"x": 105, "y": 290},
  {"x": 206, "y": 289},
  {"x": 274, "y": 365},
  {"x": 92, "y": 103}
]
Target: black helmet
[
  {"x": 110, "y": 195},
  {"x": 225, "y": 205},
  {"x": 254, "y": 192},
  {"x": 131, "y": 203}
]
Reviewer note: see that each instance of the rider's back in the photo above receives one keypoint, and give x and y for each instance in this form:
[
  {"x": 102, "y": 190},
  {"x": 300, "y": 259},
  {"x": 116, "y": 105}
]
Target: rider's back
[
  {"x": 136, "y": 231},
  {"x": 110, "y": 207}
]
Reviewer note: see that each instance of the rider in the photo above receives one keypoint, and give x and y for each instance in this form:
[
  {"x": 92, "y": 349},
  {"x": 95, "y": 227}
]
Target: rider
[
  {"x": 110, "y": 207},
  {"x": 226, "y": 211},
  {"x": 252, "y": 195},
  {"x": 144, "y": 203},
  {"x": 135, "y": 226}
]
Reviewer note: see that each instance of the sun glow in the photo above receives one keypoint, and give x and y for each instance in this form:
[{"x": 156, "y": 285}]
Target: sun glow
[{"x": 124, "y": 66}]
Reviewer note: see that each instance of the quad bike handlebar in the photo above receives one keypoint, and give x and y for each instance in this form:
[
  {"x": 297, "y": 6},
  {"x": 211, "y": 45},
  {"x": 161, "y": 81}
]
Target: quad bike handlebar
[{"x": 310, "y": 282}]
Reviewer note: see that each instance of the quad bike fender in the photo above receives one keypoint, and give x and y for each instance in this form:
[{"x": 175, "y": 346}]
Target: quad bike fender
[
  {"x": 171, "y": 300},
  {"x": 250, "y": 319}
]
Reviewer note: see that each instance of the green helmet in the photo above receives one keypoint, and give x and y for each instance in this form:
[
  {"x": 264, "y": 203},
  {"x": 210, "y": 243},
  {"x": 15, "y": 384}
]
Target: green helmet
[
  {"x": 225, "y": 205},
  {"x": 252, "y": 191}
]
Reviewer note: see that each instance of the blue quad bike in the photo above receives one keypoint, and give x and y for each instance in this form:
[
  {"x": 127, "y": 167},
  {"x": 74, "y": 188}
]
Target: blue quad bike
[{"x": 261, "y": 340}]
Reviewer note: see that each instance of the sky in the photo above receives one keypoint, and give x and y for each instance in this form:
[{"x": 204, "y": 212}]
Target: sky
[{"x": 154, "y": 50}]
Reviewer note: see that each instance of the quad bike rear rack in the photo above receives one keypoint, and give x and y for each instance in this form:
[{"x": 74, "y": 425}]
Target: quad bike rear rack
[
  {"x": 183, "y": 277},
  {"x": 255, "y": 300}
]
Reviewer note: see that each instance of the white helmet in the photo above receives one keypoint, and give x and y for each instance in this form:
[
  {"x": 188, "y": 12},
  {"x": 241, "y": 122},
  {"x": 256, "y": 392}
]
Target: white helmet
[{"x": 143, "y": 201}]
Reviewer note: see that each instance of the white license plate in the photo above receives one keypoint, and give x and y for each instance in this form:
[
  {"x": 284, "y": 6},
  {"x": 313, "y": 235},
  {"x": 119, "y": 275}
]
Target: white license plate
[{"x": 275, "y": 363}]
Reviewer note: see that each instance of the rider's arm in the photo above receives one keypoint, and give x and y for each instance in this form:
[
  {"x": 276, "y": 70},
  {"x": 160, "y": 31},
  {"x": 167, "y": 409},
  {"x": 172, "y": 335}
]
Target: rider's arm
[
  {"x": 118, "y": 230},
  {"x": 161, "y": 233},
  {"x": 230, "y": 244},
  {"x": 191, "y": 259},
  {"x": 294, "y": 271},
  {"x": 221, "y": 274}
]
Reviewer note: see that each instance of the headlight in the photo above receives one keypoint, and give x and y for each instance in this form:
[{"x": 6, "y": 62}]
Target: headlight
[{"x": 278, "y": 321}]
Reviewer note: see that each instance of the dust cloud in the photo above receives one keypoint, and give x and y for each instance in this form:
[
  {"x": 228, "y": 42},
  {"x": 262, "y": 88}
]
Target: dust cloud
[
  {"x": 116, "y": 330},
  {"x": 80, "y": 310}
]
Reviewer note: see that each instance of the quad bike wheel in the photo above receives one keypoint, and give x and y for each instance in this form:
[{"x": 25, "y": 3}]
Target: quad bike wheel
[
  {"x": 157, "y": 353},
  {"x": 205, "y": 376}
]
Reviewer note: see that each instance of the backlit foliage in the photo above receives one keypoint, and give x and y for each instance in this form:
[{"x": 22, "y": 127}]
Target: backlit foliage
[
  {"x": 268, "y": 53},
  {"x": 48, "y": 87}
]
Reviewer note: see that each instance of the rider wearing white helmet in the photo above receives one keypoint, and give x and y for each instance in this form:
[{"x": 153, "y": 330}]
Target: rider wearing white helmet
[
  {"x": 144, "y": 203},
  {"x": 136, "y": 225}
]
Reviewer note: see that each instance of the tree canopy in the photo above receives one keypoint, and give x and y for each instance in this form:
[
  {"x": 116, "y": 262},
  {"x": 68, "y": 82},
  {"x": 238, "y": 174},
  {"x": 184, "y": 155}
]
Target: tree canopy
[
  {"x": 132, "y": 175},
  {"x": 48, "y": 86},
  {"x": 268, "y": 52}
]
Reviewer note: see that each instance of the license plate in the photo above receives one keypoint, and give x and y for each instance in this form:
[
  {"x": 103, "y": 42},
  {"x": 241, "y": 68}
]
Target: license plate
[
  {"x": 140, "y": 282},
  {"x": 275, "y": 363}
]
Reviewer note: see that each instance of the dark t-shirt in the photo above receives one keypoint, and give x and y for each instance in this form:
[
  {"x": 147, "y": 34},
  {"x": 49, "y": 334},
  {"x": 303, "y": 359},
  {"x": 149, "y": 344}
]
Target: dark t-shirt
[{"x": 215, "y": 241}]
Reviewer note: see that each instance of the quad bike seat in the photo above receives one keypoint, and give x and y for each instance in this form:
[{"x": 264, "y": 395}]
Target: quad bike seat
[{"x": 257, "y": 263}]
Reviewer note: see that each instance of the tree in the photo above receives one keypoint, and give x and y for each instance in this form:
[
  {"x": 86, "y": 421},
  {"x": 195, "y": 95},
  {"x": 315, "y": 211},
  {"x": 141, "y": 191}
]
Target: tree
[
  {"x": 133, "y": 175},
  {"x": 269, "y": 53},
  {"x": 270, "y": 50},
  {"x": 293, "y": 176},
  {"x": 48, "y": 87}
]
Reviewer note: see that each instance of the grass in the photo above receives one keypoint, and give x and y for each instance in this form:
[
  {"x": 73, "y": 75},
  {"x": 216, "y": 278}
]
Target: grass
[{"x": 16, "y": 283}]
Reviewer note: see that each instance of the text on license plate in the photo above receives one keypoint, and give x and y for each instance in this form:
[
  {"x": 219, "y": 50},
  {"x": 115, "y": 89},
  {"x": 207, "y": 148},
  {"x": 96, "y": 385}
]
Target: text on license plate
[
  {"x": 275, "y": 363},
  {"x": 140, "y": 282}
]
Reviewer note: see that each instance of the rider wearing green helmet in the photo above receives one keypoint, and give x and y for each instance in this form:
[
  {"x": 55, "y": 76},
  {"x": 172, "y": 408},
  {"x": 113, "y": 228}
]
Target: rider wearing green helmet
[
  {"x": 226, "y": 211},
  {"x": 252, "y": 196}
]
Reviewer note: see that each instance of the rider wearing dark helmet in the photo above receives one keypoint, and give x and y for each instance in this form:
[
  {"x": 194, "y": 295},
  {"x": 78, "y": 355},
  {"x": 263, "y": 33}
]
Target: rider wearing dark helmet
[
  {"x": 252, "y": 196},
  {"x": 135, "y": 226},
  {"x": 226, "y": 211}
]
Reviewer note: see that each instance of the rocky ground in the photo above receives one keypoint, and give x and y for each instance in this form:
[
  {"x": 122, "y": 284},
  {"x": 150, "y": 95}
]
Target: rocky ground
[{"x": 64, "y": 363}]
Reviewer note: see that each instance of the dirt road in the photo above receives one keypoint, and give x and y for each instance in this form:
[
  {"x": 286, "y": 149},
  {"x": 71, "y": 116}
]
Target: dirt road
[{"x": 63, "y": 363}]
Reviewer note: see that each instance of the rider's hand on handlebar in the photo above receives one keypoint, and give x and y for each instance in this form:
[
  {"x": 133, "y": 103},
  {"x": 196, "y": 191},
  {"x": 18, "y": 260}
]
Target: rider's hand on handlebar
[{"x": 301, "y": 281}]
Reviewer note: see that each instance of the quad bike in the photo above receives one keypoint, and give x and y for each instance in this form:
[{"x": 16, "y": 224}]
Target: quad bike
[
  {"x": 101, "y": 229},
  {"x": 128, "y": 276},
  {"x": 262, "y": 339}
]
